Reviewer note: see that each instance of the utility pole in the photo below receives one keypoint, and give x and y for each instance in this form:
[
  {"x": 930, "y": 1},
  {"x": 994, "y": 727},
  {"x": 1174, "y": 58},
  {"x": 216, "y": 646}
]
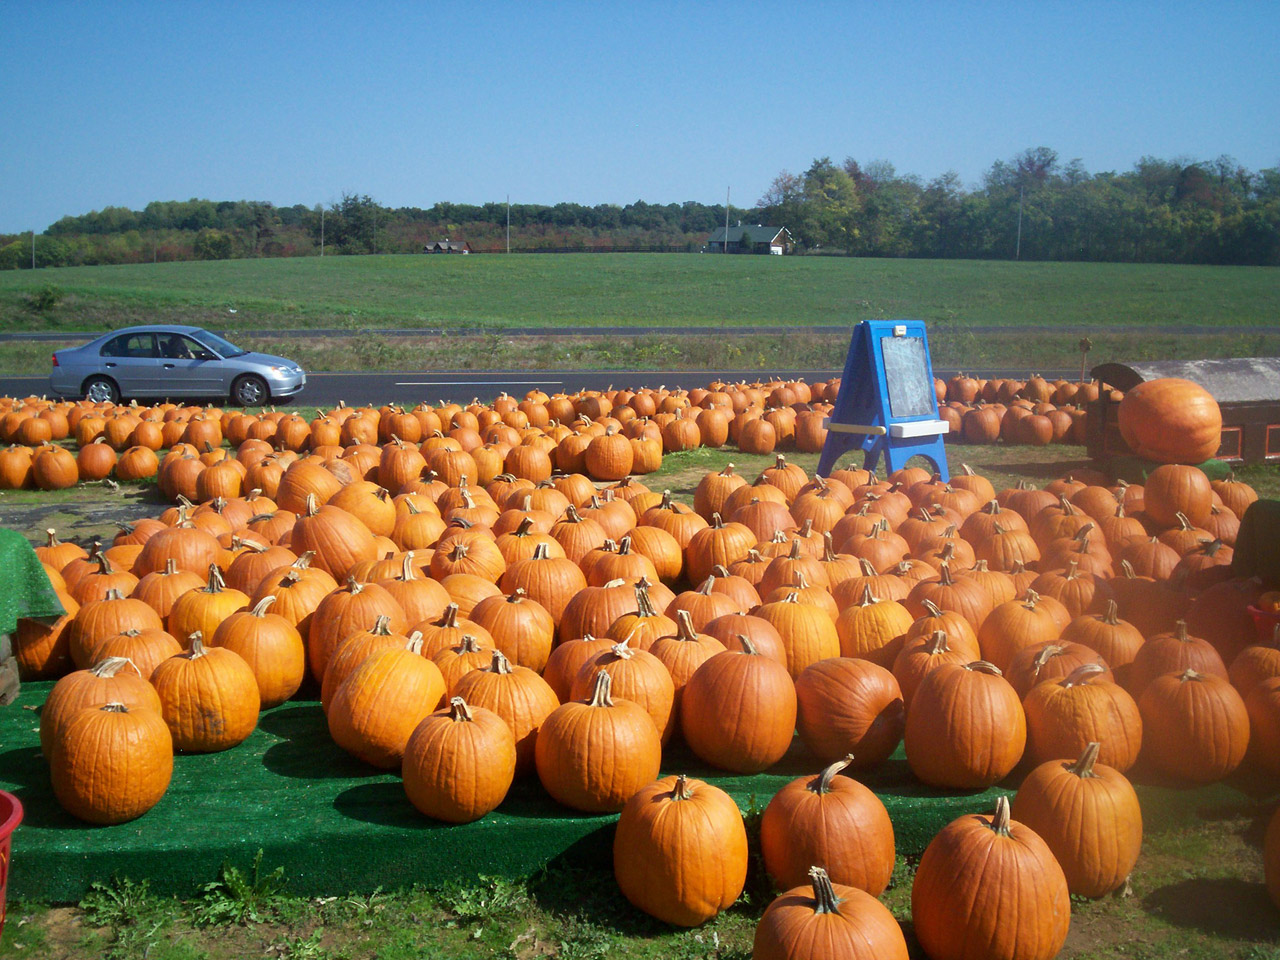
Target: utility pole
[
  {"x": 322, "y": 229},
  {"x": 1017, "y": 251},
  {"x": 724, "y": 247},
  {"x": 508, "y": 223},
  {"x": 33, "y": 249}
]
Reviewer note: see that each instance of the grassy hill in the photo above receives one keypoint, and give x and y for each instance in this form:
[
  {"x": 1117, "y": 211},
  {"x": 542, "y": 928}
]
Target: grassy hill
[{"x": 495, "y": 291}]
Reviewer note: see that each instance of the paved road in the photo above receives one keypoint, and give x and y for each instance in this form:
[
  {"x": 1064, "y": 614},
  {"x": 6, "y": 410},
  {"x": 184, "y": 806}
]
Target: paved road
[
  {"x": 1082, "y": 329},
  {"x": 326, "y": 389}
]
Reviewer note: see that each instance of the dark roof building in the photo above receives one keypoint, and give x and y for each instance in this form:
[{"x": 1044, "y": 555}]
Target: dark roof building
[
  {"x": 751, "y": 239},
  {"x": 447, "y": 246}
]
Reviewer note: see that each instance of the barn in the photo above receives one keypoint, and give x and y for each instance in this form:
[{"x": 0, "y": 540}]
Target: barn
[
  {"x": 751, "y": 239},
  {"x": 447, "y": 246}
]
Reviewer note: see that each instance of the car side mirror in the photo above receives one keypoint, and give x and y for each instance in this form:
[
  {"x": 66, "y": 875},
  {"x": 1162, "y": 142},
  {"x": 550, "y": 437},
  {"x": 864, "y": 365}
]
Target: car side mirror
[{"x": 204, "y": 355}]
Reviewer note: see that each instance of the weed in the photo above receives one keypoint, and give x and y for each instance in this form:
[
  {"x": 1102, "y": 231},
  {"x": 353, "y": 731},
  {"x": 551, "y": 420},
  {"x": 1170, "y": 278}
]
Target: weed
[
  {"x": 135, "y": 917},
  {"x": 43, "y": 299},
  {"x": 239, "y": 896},
  {"x": 299, "y": 947},
  {"x": 488, "y": 898}
]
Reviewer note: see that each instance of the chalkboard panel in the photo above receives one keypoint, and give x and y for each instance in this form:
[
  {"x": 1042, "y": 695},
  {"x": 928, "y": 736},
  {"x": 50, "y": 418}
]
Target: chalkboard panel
[{"x": 906, "y": 372}]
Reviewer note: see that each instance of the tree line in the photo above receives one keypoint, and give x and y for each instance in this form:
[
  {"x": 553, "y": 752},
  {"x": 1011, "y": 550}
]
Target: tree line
[{"x": 1032, "y": 206}]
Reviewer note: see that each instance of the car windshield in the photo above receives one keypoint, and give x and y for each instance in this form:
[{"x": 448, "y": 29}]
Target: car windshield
[{"x": 224, "y": 347}]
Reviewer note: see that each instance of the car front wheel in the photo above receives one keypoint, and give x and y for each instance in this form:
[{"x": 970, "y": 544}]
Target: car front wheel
[
  {"x": 250, "y": 391},
  {"x": 101, "y": 390}
]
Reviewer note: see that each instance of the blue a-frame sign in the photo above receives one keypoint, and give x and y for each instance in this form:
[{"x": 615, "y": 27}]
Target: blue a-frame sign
[{"x": 887, "y": 404}]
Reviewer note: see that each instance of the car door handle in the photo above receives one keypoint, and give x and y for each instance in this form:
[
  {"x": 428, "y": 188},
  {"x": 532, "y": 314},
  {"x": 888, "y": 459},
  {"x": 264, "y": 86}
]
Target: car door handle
[
  {"x": 109, "y": 365},
  {"x": 169, "y": 366}
]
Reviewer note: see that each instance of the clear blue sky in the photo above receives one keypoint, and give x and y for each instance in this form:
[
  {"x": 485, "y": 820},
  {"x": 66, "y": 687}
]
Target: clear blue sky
[{"x": 123, "y": 103}]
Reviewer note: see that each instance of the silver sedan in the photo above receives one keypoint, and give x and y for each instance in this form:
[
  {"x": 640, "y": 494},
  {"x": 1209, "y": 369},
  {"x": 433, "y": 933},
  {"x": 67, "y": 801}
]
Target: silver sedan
[{"x": 172, "y": 361}]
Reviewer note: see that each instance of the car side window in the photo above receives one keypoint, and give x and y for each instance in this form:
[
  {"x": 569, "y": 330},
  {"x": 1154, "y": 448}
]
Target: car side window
[
  {"x": 196, "y": 349},
  {"x": 137, "y": 345},
  {"x": 174, "y": 346}
]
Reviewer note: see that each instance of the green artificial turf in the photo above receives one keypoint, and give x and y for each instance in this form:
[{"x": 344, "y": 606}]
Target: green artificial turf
[{"x": 336, "y": 825}]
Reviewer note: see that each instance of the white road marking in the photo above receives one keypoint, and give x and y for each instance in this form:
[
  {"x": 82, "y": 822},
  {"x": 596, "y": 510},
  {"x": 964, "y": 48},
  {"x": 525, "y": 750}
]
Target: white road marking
[{"x": 477, "y": 383}]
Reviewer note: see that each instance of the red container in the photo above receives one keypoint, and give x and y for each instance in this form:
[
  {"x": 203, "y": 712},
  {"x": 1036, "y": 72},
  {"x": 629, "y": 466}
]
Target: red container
[
  {"x": 1266, "y": 622},
  {"x": 10, "y": 817}
]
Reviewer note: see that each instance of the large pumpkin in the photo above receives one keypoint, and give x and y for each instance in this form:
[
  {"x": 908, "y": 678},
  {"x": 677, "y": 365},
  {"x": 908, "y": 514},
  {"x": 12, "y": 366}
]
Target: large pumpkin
[
  {"x": 594, "y": 755},
  {"x": 680, "y": 851},
  {"x": 1089, "y": 816},
  {"x": 1171, "y": 420},
  {"x": 827, "y": 920},
  {"x": 459, "y": 763},
  {"x": 112, "y": 763},
  {"x": 828, "y": 819},
  {"x": 1195, "y": 726},
  {"x": 990, "y": 889},
  {"x": 208, "y": 696},
  {"x": 848, "y": 706},
  {"x": 966, "y": 729}
]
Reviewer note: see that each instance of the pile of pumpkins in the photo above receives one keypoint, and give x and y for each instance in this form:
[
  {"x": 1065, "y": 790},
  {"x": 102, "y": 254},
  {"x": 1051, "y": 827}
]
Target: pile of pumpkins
[
  {"x": 634, "y": 429},
  {"x": 468, "y": 629}
]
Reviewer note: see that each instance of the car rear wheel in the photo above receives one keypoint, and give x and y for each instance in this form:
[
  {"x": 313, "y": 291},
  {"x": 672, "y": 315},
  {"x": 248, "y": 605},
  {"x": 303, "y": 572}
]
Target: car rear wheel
[
  {"x": 101, "y": 390},
  {"x": 250, "y": 391}
]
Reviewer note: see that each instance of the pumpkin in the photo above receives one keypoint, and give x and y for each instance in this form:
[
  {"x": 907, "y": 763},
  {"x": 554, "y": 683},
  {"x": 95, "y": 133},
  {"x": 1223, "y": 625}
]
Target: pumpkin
[
  {"x": 1171, "y": 420},
  {"x": 520, "y": 627},
  {"x": 966, "y": 729},
  {"x": 516, "y": 694},
  {"x": 459, "y": 763},
  {"x": 1063, "y": 716},
  {"x": 1049, "y": 661},
  {"x": 1018, "y": 624},
  {"x": 457, "y": 661},
  {"x": 1088, "y": 814},
  {"x": 1173, "y": 652},
  {"x": 43, "y": 650},
  {"x": 448, "y": 631},
  {"x": 828, "y": 819},
  {"x": 641, "y": 627},
  {"x": 355, "y": 606},
  {"x": 989, "y": 888},
  {"x": 270, "y": 645},
  {"x": 146, "y": 648},
  {"x": 728, "y": 627},
  {"x": 208, "y": 696},
  {"x": 203, "y": 611},
  {"x": 377, "y": 707},
  {"x": 112, "y": 763},
  {"x": 849, "y": 706},
  {"x": 827, "y": 920},
  {"x": 1172, "y": 489},
  {"x": 594, "y": 755},
  {"x": 636, "y": 675},
  {"x": 680, "y": 851},
  {"x": 114, "y": 680},
  {"x": 1195, "y": 726},
  {"x": 808, "y": 635},
  {"x": 738, "y": 711},
  {"x": 100, "y": 619},
  {"x": 873, "y": 629},
  {"x": 1116, "y": 641}
]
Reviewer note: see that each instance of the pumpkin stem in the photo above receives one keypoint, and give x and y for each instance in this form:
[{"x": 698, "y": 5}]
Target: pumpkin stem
[
  {"x": 468, "y": 644},
  {"x": 1190, "y": 674},
  {"x": 381, "y": 626},
  {"x": 1083, "y": 767},
  {"x": 216, "y": 584},
  {"x": 644, "y": 604},
  {"x": 622, "y": 650},
  {"x": 260, "y": 608},
  {"x": 748, "y": 647},
  {"x": 196, "y": 649},
  {"x": 600, "y": 692},
  {"x": 822, "y": 783},
  {"x": 681, "y": 790},
  {"x": 460, "y": 711},
  {"x": 110, "y": 666},
  {"x": 824, "y": 894},
  {"x": 720, "y": 571},
  {"x": 1000, "y": 822},
  {"x": 684, "y": 629},
  {"x": 984, "y": 666},
  {"x": 937, "y": 643},
  {"x": 1111, "y": 616},
  {"x": 867, "y": 598},
  {"x": 499, "y": 663}
]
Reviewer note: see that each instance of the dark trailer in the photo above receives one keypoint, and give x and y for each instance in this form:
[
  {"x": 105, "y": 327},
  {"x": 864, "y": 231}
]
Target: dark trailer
[{"x": 1246, "y": 388}]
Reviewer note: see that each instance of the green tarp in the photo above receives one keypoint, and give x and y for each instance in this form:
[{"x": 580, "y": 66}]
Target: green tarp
[
  {"x": 25, "y": 590},
  {"x": 336, "y": 825}
]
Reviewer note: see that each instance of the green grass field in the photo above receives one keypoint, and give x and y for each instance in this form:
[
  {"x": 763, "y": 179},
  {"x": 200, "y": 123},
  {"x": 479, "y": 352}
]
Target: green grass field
[{"x": 670, "y": 290}]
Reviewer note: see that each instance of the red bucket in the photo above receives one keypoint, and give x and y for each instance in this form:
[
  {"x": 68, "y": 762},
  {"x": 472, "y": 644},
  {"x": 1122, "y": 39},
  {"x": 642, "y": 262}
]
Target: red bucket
[
  {"x": 1266, "y": 622},
  {"x": 10, "y": 817}
]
